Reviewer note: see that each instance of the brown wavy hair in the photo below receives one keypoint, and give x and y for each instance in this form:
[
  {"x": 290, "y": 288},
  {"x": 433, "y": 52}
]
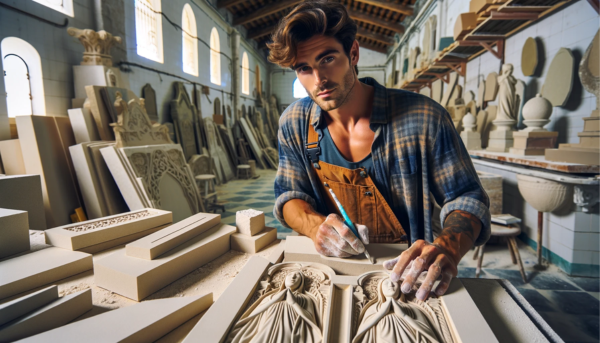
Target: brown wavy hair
[{"x": 319, "y": 17}]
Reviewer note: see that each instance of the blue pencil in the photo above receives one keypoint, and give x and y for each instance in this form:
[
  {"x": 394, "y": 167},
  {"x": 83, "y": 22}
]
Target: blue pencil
[{"x": 348, "y": 221}]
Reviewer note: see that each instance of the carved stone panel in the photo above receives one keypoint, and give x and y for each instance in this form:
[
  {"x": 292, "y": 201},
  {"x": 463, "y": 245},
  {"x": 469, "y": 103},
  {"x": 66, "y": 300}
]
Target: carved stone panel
[
  {"x": 288, "y": 305},
  {"x": 134, "y": 127},
  {"x": 161, "y": 169},
  {"x": 222, "y": 164},
  {"x": 182, "y": 113},
  {"x": 149, "y": 96}
]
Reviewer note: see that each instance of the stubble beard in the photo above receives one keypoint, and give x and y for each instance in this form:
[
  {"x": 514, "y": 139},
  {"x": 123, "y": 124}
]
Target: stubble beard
[{"x": 343, "y": 92}]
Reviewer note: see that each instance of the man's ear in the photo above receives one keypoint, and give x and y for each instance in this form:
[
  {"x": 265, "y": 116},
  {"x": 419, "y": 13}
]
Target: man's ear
[{"x": 354, "y": 53}]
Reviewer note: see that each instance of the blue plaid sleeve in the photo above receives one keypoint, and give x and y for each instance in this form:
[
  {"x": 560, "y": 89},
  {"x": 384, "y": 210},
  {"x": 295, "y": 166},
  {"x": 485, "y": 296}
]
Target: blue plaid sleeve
[
  {"x": 291, "y": 181},
  {"x": 454, "y": 181}
]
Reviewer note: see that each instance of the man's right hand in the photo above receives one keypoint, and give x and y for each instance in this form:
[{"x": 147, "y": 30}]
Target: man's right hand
[{"x": 334, "y": 238}]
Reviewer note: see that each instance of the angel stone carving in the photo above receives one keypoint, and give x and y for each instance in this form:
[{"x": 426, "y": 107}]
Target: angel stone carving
[
  {"x": 507, "y": 99},
  {"x": 289, "y": 313},
  {"x": 389, "y": 317}
]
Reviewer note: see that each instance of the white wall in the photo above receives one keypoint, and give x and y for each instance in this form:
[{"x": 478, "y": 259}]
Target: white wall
[{"x": 58, "y": 51}]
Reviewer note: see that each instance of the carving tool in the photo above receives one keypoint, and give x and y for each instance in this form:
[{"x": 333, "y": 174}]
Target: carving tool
[{"x": 349, "y": 223}]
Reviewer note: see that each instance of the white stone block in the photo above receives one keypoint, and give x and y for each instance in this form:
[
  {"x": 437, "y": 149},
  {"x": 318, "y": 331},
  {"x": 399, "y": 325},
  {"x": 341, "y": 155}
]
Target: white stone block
[
  {"x": 24, "y": 192},
  {"x": 250, "y": 222},
  {"x": 14, "y": 232},
  {"x": 253, "y": 244}
]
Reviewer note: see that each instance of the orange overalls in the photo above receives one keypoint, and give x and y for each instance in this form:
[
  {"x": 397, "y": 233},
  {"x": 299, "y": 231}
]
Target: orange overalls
[{"x": 358, "y": 194}]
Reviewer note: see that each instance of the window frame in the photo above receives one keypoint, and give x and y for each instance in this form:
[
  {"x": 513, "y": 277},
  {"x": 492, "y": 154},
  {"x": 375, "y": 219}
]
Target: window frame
[
  {"x": 189, "y": 38},
  {"x": 156, "y": 10},
  {"x": 215, "y": 57}
]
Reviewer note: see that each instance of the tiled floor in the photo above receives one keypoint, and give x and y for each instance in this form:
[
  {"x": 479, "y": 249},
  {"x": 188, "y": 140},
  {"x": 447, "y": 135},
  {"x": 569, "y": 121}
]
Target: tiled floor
[{"x": 570, "y": 305}]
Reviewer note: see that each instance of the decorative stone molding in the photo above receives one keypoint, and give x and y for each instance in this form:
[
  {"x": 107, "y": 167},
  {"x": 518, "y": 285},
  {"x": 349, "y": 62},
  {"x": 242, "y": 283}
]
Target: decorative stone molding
[
  {"x": 97, "y": 45},
  {"x": 134, "y": 128},
  {"x": 585, "y": 197}
]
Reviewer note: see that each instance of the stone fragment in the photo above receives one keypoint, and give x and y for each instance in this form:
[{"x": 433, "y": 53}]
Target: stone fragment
[{"x": 250, "y": 222}]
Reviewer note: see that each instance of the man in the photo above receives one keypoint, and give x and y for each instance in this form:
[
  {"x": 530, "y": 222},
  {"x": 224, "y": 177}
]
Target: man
[{"x": 383, "y": 152}]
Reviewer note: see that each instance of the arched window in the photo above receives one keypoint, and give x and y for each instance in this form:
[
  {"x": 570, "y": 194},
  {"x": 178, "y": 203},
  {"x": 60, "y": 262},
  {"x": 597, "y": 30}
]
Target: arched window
[
  {"x": 64, "y": 6},
  {"x": 190, "y": 41},
  {"x": 23, "y": 78},
  {"x": 215, "y": 57},
  {"x": 148, "y": 29},
  {"x": 245, "y": 74},
  {"x": 299, "y": 91}
]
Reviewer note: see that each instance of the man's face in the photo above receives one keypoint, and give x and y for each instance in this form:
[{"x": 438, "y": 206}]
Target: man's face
[{"x": 325, "y": 71}]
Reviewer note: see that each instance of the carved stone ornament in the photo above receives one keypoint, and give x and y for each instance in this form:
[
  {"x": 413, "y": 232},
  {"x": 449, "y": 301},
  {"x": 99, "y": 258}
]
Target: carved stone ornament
[
  {"x": 97, "y": 45},
  {"x": 288, "y": 306},
  {"x": 589, "y": 72},
  {"x": 134, "y": 128},
  {"x": 152, "y": 164},
  {"x": 382, "y": 313},
  {"x": 95, "y": 225},
  {"x": 585, "y": 197}
]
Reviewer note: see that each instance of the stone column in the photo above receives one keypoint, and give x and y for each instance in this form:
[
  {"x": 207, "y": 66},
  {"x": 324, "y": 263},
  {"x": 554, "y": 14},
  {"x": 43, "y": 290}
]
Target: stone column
[{"x": 235, "y": 71}]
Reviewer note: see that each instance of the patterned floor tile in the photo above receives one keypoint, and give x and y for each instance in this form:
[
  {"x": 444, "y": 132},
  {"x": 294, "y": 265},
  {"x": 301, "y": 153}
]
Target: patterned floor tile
[
  {"x": 535, "y": 299},
  {"x": 514, "y": 276},
  {"x": 574, "y": 302},
  {"x": 587, "y": 284},
  {"x": 552, "y": 282}
]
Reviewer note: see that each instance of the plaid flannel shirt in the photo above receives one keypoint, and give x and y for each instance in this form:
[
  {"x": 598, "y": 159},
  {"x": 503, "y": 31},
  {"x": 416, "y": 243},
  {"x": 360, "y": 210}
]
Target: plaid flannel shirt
[{"x": 417, "y": 153}]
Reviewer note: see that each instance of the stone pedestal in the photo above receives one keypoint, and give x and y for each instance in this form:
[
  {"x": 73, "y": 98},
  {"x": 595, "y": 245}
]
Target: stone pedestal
[
  {"x": 500, "y": 141},
  {"x": 96, "y": 75},
  {"x": 472, "y": 140},
  {"x": 527, "y": 143},
  {"x": 588, "y": 149}
]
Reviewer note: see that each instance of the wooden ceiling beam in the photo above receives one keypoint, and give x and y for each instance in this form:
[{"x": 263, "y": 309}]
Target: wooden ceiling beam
[
  {"x": 228, "y": 3},
  {"x": 265, "y": 11},
  {"x": 375, "y": 36},
  {"x": 376, "y": 21},
  {"x": 403, "y": 9},
  {"x": 261, "y": 32},
  {"x": 373, "y": 47}
]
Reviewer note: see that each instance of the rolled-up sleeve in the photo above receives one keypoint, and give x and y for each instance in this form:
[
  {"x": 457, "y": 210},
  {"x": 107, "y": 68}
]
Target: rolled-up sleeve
[
  {"x": 454, "y": 181},
  {"x": 292, "y": 181}
]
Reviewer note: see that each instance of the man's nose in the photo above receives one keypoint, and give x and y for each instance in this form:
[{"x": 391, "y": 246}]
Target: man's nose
[{"x": 320, "y": 78}]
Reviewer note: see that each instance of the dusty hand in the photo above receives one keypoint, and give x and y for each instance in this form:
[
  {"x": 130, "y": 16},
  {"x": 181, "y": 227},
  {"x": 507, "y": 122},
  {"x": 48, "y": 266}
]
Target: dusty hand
[
  {"x": 334, "y": 238},
  {"x": 424, "y": 256}
]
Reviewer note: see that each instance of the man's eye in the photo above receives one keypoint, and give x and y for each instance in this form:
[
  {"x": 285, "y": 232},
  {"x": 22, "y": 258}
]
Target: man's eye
[
  {"x": 303, "y": 69},
  {"x": 328, "y": 59}
]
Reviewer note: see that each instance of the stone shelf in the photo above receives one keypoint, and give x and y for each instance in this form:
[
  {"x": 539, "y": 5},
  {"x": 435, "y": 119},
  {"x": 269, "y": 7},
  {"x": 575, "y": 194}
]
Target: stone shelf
[{"x": 536, "y": 162}]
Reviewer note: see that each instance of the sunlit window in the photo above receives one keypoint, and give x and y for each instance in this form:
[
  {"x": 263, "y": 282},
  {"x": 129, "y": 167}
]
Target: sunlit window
[
  {"x": 299, "y": 91},
  {"x": 63, "y": 6},
  {"x": 190, "y": 41},
  {"x": 215, "y": 57},
  {"x": 245, "y": 74},
  {"x": 22, "y": 78},
  {"x": 148, "y": 29}
]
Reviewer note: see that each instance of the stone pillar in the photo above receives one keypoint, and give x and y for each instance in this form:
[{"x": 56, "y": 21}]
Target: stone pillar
[{"x": 235, "y": 70}]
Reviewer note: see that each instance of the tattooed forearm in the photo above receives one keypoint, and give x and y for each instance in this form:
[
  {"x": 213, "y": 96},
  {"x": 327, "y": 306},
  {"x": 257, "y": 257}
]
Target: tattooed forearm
[{"x": 459, "y": 233}]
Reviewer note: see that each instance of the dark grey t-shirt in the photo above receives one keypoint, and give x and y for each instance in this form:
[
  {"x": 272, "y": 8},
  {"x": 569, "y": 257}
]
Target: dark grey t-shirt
[{"x": 330, "y": 154}]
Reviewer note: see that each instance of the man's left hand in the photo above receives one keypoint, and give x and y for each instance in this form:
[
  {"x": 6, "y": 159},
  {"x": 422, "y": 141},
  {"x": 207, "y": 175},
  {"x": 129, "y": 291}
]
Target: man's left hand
[{"x": 424, "y": 256}]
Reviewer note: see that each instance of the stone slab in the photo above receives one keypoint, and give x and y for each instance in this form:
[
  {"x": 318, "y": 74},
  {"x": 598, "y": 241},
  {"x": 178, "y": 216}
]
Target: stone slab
[
  {"x": 156, "y": 244},
  {"x": 540, "y": 162},
  {"x": 113, "y": 199},
  {"x": 250, "y": 222},
  {"x": 45, "y": 154},
  {"x": 24, "y": 192},
  {"x": 83, "y": 125},
  {"x": 12, "y": 157},
  {"x": 137, "y": 278},
  {"x": 216, "y": 322},
  {"x": 253, "y": 244},
  {"x": 39, "y": 268},
  {"x": 464, "y": 318},
  {"x": 14, "y": 232},
  {"x": 100, "y": 113},
  {"x": 589, "y": 158},
  {"x": 87, "y": 75},
  {"x": 89, "y": 184},
  {"x": 26, "y": 304},
  {"x": 50, "y": 316},
  {"x": 144, "y": 322},
  {"x": 302, "y": 249},
  {"x": 277, "y": 253},
  {"x": 91, "y": 232}
]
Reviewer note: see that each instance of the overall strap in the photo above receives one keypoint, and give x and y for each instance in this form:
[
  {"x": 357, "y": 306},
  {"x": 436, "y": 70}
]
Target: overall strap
[{"x": 313, "y": 150}]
